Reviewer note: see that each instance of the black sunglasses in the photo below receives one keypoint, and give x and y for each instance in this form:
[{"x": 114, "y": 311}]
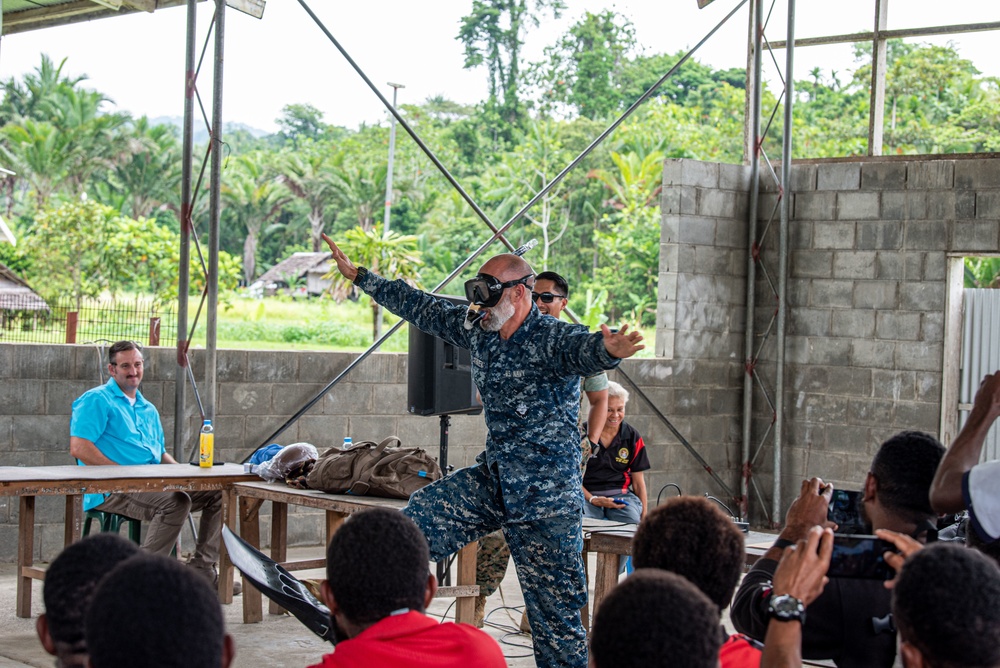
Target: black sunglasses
[{"x": 546, "y": 297}]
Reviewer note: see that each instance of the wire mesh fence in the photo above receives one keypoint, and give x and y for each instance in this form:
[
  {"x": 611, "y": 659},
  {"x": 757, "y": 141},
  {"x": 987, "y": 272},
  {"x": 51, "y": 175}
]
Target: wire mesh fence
[{"x": 24, "y": 320}]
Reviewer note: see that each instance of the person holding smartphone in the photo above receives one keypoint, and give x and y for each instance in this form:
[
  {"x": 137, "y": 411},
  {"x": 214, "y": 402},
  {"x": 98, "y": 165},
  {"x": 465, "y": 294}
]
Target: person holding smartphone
[{"x": 850, "y": 621}]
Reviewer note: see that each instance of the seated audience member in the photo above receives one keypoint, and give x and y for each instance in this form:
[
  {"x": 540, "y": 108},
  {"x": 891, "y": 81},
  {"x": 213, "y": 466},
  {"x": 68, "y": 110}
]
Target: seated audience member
[
  {"x": 377, "y": 588},
  {"x": 690, "y": 536},
  {"x": 154, "y": 612},
  {"x": 849, "y": 622},
  {"x": 655, "y": 619},
  {"x": 961, "y": 481},
  {"x": 69, "y": 584},
  {"x": 946, "y": 605},
  {"x": 114, "y": 424},
  {"x": 614, "y": 487}
]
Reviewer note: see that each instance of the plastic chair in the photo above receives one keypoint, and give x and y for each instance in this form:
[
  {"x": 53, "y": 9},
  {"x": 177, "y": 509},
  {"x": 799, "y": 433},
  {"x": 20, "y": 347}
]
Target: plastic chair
[{"x": 112, "y": 522}]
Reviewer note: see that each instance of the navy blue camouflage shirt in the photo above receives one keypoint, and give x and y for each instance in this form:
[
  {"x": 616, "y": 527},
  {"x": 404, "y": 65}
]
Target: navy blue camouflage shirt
[{"x": 530, "y": 387}]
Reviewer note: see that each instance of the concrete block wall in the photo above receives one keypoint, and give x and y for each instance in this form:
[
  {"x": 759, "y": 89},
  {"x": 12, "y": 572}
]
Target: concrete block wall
[
  {"x": 257, "y": 392},
  {"x": 864, "y": 353},
  {"x": 696, "y": 379}
]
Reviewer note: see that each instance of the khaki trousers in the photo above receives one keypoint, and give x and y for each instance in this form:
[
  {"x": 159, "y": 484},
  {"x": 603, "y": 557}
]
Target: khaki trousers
[{"x": 165, "y": 513}]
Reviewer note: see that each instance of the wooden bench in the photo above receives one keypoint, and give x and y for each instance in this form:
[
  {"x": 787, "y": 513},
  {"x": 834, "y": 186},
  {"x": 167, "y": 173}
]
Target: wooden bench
[
  {"x": 72, "y": 482},
  {"x": 611, "y": 542},
  {"x": 338, "y": 507}
]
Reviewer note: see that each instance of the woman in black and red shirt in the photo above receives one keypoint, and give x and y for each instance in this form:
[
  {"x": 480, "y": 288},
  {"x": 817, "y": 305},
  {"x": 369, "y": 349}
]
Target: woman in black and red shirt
[{"x": 613, "y": 484}]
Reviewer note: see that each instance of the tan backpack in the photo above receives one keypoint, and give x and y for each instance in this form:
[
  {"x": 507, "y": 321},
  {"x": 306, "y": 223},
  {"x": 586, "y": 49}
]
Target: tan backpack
[{"x": 367, "y": 469}]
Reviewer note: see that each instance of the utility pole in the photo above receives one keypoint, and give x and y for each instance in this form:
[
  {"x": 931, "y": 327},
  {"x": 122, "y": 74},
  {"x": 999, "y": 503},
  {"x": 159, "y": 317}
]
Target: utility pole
[
  {"x": 392, "y": 153},
  {"x": 388, "y": 192}
]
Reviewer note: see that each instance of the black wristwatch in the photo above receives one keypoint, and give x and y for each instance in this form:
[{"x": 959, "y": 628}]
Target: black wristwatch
[
  {"x": 786, "y": 608},
  {"x": 362, "y": 271}
]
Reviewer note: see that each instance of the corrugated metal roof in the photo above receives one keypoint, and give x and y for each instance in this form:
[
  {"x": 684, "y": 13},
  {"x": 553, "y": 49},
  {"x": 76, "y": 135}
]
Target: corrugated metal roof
[{"x": 24, "y": 15}]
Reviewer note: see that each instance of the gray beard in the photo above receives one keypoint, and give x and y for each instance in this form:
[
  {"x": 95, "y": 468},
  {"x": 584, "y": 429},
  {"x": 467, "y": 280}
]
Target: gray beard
[{"x": 499, "y": 315}]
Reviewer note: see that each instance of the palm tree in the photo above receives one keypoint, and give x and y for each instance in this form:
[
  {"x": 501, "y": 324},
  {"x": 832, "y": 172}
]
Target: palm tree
[
  {"x": 362, "y": 190},
  {"x": 393, "y": 256},
  {"x": 40, "y": 153},
  {"x": 308, "y": 175},
  {"x": 255, "y": 198},
  {"x": 29, "y": 98},
  {"x": 148, "y": 173}
]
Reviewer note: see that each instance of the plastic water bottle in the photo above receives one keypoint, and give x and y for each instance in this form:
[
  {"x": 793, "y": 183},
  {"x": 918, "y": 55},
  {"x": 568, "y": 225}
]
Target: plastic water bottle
[
  {"x": 348, "y": 442},
  {"x": 206, "y": 445}
]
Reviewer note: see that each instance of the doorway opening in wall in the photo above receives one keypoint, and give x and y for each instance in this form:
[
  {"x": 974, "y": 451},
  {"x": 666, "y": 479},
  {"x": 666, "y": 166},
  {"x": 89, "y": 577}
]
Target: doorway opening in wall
[{"x": 972, "y": 341}]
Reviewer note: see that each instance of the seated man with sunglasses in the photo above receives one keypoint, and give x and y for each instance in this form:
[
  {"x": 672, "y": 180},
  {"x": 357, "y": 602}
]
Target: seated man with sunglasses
[{"x": 528, "y": 481}]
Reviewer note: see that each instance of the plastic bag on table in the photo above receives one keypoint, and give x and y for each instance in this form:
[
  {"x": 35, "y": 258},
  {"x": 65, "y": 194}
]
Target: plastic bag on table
[{"x": 288, "y": 459}]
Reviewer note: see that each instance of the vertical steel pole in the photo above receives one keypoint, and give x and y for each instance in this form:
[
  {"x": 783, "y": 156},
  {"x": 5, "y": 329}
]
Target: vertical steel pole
[
  {"x": 786, "y": 202},
  {"x": 215, "y": 198},
  {"x": 876, "y": 108},
  {"x": 183, "y": 271},
  {"x": 753, "y": 154}
]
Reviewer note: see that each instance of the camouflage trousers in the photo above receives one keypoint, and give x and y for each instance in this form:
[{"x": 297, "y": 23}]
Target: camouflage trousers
[
  {"x": 491, "y": 562},
  {"x": 467, "y": 505}
]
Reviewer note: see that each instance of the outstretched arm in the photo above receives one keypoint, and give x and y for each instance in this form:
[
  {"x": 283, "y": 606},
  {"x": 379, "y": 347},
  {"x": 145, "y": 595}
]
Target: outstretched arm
[{"x": 964, "y": 452}]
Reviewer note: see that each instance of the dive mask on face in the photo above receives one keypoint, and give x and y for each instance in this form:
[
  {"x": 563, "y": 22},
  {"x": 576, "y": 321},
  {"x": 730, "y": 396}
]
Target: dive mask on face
[{"x": 485, "y": 290}]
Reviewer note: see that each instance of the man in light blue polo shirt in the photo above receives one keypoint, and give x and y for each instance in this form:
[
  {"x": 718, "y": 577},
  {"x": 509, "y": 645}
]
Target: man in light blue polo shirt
[{"x": 114, "y": 425}]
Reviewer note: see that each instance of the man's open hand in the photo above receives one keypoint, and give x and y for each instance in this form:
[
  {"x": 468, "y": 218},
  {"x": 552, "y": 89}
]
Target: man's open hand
[
  {"x": 344, "y": 264},
  {"x": 621, "y": 344}
]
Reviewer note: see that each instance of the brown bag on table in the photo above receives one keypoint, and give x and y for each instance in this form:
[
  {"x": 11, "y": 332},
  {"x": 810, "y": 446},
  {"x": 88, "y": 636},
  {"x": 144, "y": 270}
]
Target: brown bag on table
[{"x": 367, "y": 469}]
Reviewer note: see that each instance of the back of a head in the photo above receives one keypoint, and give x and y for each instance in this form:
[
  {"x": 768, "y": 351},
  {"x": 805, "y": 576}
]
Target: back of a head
[
  {"x": 946, "y": 603},
  {"x": 656, "y": 619},
  {"x": 904, "y": 467},
  {"x": 153, "y": 611},
  {"x": 72, "y": 577},
  {"x": 377, "y": 563},
  {"x": 691, "y": 536}
]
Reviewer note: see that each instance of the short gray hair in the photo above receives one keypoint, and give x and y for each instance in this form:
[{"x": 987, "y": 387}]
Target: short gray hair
[{"x": 616, "y": 390}]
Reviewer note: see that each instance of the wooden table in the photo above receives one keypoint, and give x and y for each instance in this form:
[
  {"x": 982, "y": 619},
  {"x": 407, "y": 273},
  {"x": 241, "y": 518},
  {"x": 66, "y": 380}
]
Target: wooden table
[
  {"x": 337, "y": 506},
  {"x": 610, "y": 542},
  {"x": 72, "y": 482}
]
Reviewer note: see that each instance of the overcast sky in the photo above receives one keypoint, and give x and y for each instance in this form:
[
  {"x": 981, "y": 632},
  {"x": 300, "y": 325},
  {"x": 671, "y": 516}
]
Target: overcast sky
[{"x": 284, "y": 58}]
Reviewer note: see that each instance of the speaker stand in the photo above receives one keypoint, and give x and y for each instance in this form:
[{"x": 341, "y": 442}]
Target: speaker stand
[{"x": 444, "y": 566}]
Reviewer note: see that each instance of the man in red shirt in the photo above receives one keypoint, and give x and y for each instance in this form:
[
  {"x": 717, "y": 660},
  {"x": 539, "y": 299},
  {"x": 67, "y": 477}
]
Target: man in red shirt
[{"x": 377, "y": 588}]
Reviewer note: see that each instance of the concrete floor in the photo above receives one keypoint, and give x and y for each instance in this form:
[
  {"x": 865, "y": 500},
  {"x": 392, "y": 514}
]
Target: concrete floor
[{"x": 279, "y": 641}]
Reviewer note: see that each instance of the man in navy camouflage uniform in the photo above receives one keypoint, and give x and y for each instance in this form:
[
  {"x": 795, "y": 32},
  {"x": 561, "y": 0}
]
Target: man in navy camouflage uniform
[{"x": 528, "y": 482}]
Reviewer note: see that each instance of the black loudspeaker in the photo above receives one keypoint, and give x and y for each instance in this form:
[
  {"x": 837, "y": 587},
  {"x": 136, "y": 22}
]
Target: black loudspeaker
[{"x": 439, "y": 375}]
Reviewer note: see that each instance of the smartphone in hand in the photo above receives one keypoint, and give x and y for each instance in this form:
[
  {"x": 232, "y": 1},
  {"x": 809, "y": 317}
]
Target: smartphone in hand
[
  {"x": 860, "y": 556},
  {"x": 845, "y": 509}
]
